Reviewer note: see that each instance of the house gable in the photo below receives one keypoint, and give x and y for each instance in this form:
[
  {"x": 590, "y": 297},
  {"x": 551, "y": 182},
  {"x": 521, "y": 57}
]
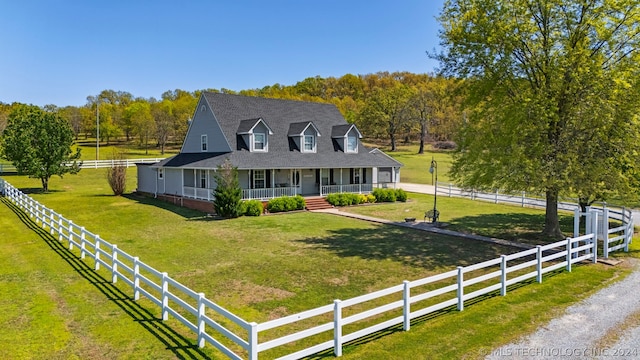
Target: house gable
[{"x": 204, "y": 133}]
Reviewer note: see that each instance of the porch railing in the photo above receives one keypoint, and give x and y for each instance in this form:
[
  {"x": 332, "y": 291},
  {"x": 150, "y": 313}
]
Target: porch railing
[
  {"x": 269, "y": 193},
  {"x": 198, "y": 193}
]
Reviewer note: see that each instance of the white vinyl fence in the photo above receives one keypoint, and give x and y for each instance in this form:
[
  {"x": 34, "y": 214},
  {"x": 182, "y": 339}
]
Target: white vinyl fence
[
  {"x": 94, "y": 164},
  {"x": 330, "y": 326}
]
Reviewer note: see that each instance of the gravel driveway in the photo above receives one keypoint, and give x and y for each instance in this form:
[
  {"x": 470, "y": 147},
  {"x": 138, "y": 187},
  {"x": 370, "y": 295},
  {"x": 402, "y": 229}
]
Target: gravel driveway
[{"x": 591, "y": 329}]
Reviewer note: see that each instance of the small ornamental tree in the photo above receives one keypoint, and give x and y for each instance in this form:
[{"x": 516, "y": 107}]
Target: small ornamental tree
[
  {"x": 117, "y": 175},
  {"x": 38, "y": 143},
  {"x": 227, "y": 194}
]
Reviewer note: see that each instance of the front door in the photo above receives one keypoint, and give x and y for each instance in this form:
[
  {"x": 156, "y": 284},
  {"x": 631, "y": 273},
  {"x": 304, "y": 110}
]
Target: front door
[
  {"x": 295, "y": 180},
  {"x": 308, "y": 182}
]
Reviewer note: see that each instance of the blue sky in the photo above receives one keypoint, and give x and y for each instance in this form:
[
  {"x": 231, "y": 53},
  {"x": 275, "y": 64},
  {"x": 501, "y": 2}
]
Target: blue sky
[{"x": 59, "y": 52}]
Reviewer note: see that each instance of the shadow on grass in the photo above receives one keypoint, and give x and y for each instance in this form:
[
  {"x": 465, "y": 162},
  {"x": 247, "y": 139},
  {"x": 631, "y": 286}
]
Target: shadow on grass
[
  {"x": 408, "y": 246},
  {"x": 180, "y": 346},
  {"x": 448, "y": 311},
  {"x": 182, "y": 211},
  {"x": 524, "y": 228}
]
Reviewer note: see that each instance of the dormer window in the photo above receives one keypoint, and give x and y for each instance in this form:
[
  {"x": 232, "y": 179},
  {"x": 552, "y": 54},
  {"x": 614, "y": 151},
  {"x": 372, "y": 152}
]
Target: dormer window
[
  {"x": 203, "y": 142},
  {"x": 259, "y": 142},
  {"x": 255, "y": 134},
  {"x": 346, "y": 137},
  {"x": 309, "y": 143},
  {"x": 352, "y": 144}
]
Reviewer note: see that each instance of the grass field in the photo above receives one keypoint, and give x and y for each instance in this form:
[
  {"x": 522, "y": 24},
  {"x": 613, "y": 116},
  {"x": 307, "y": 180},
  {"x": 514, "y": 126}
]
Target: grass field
[
  {"x": 508, "y": 222},
  {"x": 260, "y": 268},
  {"x": 416, "y": 166},
  {"x": 130, "y": 150}
]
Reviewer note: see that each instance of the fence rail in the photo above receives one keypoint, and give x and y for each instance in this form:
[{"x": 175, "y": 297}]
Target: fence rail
[
  {"x": 352, "y": 318},
  {"x": 93, "y": 164}
]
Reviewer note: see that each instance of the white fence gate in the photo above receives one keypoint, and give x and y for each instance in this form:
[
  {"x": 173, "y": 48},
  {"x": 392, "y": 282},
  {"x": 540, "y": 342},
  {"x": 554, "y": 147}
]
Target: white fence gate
[{"x": 343, "y": 320}]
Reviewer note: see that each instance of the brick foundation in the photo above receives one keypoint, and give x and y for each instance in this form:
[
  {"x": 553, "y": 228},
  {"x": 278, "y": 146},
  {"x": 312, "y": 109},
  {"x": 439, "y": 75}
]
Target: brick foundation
[{"x": 200, "y": 205}]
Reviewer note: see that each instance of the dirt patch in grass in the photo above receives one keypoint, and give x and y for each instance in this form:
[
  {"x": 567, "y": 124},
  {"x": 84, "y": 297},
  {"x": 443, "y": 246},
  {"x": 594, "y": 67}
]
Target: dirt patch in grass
[{"x": 250, "y": 293}]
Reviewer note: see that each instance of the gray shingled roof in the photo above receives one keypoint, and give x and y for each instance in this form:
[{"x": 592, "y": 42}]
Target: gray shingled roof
[
  {"x": 281, "y": 116},
  {"x": 340, "y": 130}
]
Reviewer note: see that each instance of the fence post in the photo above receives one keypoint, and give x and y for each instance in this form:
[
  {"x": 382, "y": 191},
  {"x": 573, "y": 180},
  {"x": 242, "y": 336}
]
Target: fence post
[
  {"x": 165, "y": 296},
  {"x": 449, "y": 189},
  {"x": 83, "y": 241},
  {"x": 605, "y": 231},
  {"x": 136, "y": 278},
  {"x": 201, "y": 314},
  {"x": 70, "y": 231},
  {"x": 97, "y": 255},
  {"x": 337, "y": 328},
  {"x": 59, "y": 228},
  {"x": 51, "y": 227},
  {"x": 460, "y": 288},
  {"x": 114, "y": 263},
  {"x": 539, "y": 264},
  {"x": 628, "y": 232},
  {"x": 503, "y": 275},
  {"x": 594, "y": 230},
  {"x": 576, "y": 222},
  {"x": 523, "y": 198},
  {"x": 569, "y": 254},
  {"x": 496, "y": 196},
  {"x": 253, "y": 341},
  {"x": 406, "y": 309}
]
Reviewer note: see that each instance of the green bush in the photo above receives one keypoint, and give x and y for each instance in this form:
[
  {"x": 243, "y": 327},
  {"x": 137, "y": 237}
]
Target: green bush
[
  {"x": 276, "y": 205},
  {"x": 384, "y": 195},
  {"x": 332, "y": 199},
  {"x": 300, "y": 203},
  {"x": 252, "y": 208},
  {"x": 286, "y": 203},
  {"x": 345, "y": 199},
  {"x": 362, "y": 199},
  {"x": 371, "y": 198},
  {"x": 401, "y": 195},
  {"x": 290, "y": 203}
]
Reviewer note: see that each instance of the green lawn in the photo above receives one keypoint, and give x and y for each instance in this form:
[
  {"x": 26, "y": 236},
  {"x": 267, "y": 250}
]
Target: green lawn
[
  {"x": 502, "y": 221},
  {"x": 130, "y": 150},
  {"x": 416, "y": 166},
  {"x": 260, "y": 268}
]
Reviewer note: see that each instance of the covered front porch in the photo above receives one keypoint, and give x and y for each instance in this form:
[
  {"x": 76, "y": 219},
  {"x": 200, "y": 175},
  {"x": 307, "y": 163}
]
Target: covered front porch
[{"x": 265, "y": 184}]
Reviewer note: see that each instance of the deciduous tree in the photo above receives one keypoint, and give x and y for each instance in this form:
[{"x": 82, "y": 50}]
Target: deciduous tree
[
  {"x": 39, "y": 143},
  {"x": 548, "y": 79}
]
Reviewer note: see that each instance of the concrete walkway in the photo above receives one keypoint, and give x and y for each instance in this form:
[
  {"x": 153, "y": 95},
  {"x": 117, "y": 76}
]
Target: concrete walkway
[{"x": 428, "y": 227}]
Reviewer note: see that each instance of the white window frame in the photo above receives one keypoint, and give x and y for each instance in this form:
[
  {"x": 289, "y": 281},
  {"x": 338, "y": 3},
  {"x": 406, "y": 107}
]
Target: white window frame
[
  {"x": 160, "y": 173},
  {"x": 313, "y": 143},
  {"x": 264, "y": 142},
  {"x": 355, "y": 149},
  {"x": 259, "y": 175},
  {"x": 204, "y": 145}
]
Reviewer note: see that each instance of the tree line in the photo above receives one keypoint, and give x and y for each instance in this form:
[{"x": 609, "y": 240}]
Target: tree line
[{"x": 397, "y": 106}]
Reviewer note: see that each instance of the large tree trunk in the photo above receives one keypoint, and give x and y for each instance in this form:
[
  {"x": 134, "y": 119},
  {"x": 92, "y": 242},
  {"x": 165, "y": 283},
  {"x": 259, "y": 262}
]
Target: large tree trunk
[
  {"x": 45, "y": 184},
  {"x": 551, "y": 222},
  {"x": 393, "y": 141},
  {"x": 423, "y": 135}
]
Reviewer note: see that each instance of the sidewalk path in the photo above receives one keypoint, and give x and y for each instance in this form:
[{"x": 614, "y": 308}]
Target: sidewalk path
[{"x": 424, "y": 226}]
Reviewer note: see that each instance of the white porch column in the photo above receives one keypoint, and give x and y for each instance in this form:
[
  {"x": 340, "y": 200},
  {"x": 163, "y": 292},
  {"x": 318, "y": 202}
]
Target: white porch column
[
  {"x": 340, "y": 179},
  {"x": 182, "y": 182},
  {"x": 273, "y": 182}
]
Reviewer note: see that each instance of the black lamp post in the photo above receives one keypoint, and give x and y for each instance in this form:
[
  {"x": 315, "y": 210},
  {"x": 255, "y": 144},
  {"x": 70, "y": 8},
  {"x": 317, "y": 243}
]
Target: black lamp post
[{"x": 434, "y": 170}]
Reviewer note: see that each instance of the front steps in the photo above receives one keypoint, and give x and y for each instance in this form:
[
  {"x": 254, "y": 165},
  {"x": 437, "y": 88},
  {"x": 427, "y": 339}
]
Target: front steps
[{"x": 317, "y": 203}]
